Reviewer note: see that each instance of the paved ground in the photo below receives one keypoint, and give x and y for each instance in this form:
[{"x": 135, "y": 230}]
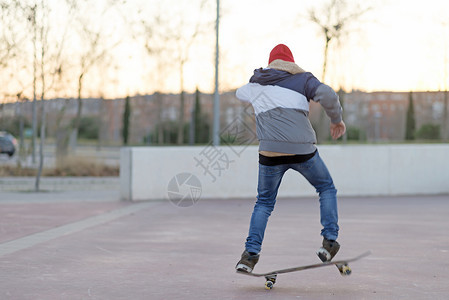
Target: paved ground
[
  {"x": 60, "y": 184},
  {"x": 89, "y": 245}
]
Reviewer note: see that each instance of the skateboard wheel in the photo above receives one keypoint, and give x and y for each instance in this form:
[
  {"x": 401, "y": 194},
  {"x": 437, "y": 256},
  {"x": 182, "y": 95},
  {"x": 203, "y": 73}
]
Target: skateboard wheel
[
  {"x": 270, "y": 281},
  {"x": 345, "y": 271},
  {"x": 269, "y": 285}
]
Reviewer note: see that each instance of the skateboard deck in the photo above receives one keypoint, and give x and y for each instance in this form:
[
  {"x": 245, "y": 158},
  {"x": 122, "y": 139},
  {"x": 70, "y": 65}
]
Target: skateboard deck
[{"x": 342, "y": 266}]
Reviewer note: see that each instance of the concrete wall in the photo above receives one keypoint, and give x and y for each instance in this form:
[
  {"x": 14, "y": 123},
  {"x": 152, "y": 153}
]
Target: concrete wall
[{"x": 231, "y": 171}]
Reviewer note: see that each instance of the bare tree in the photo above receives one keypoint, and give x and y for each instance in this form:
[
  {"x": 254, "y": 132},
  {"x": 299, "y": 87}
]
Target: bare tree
[
  {"x": 155, "y": 40},
  {"x": 37, "y": 21},
  {"x": 79, "y": 18},
  {"x": 96, "y": 46},
  {"x": 183, "y": 44},
  {"x": 445, "y": 130},
  {"x": 334, "y": 19},
  {"x": 33, "y": 21},
  {"x": 11, "y": 39},
  {"x": 43, "y": 36},
  {"x": 169, "y": 41},
  {"x": 9, "y": 36},
  {"x": 47, "y": 64}
]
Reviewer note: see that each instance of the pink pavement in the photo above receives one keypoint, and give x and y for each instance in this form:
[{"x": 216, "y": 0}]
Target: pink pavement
[{"x": 74, "y": 245}]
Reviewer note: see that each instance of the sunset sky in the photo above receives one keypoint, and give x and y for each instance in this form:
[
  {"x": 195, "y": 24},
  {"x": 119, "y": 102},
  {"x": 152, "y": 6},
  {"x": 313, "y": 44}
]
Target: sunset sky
[{"x": 397, "y": 45}]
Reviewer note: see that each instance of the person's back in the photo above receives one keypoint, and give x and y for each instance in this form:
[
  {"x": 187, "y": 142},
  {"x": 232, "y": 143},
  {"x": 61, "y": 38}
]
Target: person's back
[{"x": 280, "y": 96}]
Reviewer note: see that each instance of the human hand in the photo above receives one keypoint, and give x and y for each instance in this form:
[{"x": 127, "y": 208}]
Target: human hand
[{"x": 337, "y": 130}]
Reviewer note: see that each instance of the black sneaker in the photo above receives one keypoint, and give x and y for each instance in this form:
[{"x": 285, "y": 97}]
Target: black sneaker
[
  {"x": 247, "y": 262},
  {"x": 328, "y": 250}
]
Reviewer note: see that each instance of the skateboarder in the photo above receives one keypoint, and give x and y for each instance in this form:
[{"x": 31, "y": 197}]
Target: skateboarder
[{"x": 280, "y": 95}]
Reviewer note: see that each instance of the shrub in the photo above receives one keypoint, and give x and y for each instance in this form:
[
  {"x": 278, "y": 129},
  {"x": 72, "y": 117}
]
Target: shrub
[
  {"x": 73, "y": 166},
  {"x": 355, "y": 134},
  {"x": 79, "y": 166},
  {"x": 429, "y": 132},
  {"x": 89, "y": 128}
]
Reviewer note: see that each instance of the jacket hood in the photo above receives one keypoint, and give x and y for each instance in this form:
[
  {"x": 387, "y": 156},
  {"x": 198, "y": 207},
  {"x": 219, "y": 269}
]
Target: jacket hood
[
  {"x": 268, "y": 76},
  {"x": 277, "y": 70},
  {"x": 287, "y": 66}
]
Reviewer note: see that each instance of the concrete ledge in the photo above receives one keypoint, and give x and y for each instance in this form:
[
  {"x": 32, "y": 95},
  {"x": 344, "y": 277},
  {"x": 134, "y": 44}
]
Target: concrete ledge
[{"x": 231, "y": 171}]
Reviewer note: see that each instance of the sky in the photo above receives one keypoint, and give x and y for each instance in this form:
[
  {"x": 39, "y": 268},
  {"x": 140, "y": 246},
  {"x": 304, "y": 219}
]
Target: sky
[{"x": 397, "y": 45}]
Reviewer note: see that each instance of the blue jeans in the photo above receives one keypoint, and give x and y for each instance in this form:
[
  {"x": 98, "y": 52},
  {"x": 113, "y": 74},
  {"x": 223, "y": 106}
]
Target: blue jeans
[{"x": 315, "y": 171}]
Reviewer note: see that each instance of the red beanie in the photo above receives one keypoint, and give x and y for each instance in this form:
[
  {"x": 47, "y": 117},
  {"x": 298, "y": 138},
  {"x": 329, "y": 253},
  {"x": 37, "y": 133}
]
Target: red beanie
[{"x": 281, "y": 52}]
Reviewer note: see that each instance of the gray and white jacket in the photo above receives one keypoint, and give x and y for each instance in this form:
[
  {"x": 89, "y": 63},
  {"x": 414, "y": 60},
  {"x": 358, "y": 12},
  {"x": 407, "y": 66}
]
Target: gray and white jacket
[{"x": 280, "y": 98}]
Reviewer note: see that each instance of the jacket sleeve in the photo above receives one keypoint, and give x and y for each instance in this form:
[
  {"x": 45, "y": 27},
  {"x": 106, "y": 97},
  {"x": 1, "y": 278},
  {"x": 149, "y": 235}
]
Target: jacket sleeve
[
  {"x": 244, "y": 93},
  {"x": 328, "y": 99}
]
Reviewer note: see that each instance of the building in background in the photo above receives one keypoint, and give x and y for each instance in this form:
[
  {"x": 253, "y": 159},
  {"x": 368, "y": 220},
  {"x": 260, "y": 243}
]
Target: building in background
[{"x": 377, "y": 116}]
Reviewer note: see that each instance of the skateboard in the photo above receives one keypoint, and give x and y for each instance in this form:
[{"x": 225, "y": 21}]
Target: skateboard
[{"x": 342, "y": 266}]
